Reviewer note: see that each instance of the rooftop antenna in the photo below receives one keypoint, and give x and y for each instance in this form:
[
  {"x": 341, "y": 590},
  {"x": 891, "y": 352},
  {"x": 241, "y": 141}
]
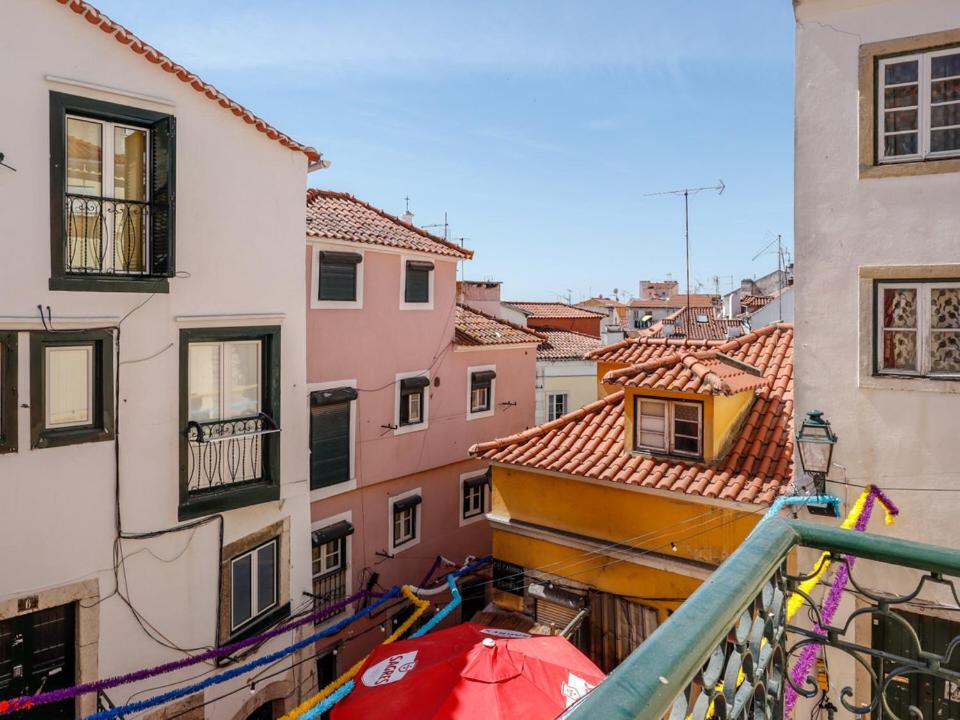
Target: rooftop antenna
[
  {"x": 780, "y": 267},
  {"x": 687, "y": 192},
  {"x": 445, "y": 225}
]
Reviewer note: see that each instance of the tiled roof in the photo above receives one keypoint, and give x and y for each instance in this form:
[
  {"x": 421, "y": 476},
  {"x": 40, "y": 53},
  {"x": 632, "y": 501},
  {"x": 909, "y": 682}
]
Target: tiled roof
[
  {"x": 552, "y": 310},
  {"x": 603, "y": 302},
  {"x": 698, "y": 324},
  {"x": 589, "y": 442},
  {"x": 341, "y": 216},
  {"x": 636, "y": 350},
  {"x": 477, "y": 328},
  {"x": 755, "y": 302},
  {"x": 708, "y": 372},
  {"x": 151, "y": 54},
  {"x": 566, "y": 345},
  {"x": 676, "y": 301}
]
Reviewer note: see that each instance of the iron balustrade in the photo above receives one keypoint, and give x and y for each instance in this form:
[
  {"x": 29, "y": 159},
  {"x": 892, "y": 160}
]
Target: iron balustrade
[
  {"x": 727, "y": 651},
  {"x": 328, "y": 589},
  {"x": 225, "y": 453},
  {"x": 106, "y": 236}
]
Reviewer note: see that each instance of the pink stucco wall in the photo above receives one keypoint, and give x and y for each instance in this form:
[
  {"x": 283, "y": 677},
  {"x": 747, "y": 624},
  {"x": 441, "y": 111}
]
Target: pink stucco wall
[{"x": 371, "y": 346}]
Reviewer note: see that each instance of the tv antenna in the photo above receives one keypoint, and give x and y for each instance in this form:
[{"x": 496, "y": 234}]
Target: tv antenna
[
  {"x": 781, "y": 265},
  {"x": 687, "y": 192},
  {"x": 445, "y": 225}
]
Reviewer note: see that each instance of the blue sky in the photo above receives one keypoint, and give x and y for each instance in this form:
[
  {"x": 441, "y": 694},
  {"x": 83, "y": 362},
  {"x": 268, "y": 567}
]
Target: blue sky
[{"x": 537, "y": 126}]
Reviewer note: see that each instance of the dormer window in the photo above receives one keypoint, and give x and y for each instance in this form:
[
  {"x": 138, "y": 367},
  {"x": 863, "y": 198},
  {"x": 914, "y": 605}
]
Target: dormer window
[{"x": 674, "y": 427}]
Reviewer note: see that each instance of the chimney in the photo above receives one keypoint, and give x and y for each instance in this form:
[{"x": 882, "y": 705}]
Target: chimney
[
  {"x": 611, "y": 334},
  {"x": 734, "y": 331},
  {"x": 407, "y": 217}
]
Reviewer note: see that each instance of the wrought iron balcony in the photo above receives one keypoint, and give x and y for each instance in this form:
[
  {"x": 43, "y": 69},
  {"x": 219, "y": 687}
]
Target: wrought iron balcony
[
  {"x": 329, "y": 589},
  {"x": 106, "y": 236},
  {"x": 227, "y": 453},
  {"x": 728, "y": 650}
]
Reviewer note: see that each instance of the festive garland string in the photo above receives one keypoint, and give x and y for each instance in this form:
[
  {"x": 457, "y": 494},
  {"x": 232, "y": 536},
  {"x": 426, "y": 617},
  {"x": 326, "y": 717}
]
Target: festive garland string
[
  {"x": 788, "y": 500},
  {"x": 185, "y": 690},
  {"x": 55, "y": 696}
]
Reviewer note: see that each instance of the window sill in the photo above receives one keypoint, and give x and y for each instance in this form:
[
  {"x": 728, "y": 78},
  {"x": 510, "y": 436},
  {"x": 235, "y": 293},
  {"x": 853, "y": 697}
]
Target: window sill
[
  {"x": 110, "y": 284},
  {"x": 910, "y": 383},
  {"x": 200, "y": 504},
  {"x": 78, "y": 436},
  {"x": 329, "y": 491},
  {"x": 480, "y": 414},
  {"x": 336, "y": 305},
  {"x": 416, "y": 306},
  {"x": 266, "y": 621},
  {"x": 405, "y": 429},
  {"x": 666, "y": 455},
  {"x": 397, "y": 549},
  {"x": 471, "y": 519},
  {"x": 909, "y": 168}
]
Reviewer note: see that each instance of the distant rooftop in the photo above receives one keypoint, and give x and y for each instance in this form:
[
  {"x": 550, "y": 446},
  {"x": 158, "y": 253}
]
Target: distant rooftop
[{"x": 552, "y": 310}]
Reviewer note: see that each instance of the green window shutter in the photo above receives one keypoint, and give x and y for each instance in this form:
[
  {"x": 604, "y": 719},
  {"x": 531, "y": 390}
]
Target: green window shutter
[
  {"x": 163, "y": 196},
  {"x": 417, "y": 285},
  {"x": 329, "y": 444},
  {"x": 338, "y": 276}
]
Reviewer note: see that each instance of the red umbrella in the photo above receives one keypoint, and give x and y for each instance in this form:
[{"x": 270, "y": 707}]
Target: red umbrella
[{"x": 468, "y": 672}]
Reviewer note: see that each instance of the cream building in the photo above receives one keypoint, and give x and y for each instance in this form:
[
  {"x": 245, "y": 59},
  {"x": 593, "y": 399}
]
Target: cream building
[
  {"x": 152, "y": 370},
  {"x": 878, "y": 264}
]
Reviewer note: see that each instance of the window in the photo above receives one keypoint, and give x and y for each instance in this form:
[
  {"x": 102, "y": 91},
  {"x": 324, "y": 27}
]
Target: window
[
  {"x": 229, "y": 407},
  {"x": 71, "y": 387},
  {"x": 474, "y": 491},
  {"x": 330, "y": 565},
  {"x": 918, "y": 107},
  {"x": 405, "y": 519},
  {"x": 330, "y": 441},
  {"x": 253, "y": 584},
  {"x": 338, "y": 275},
  {"x": 112, "y": 174},
  {"x": 8, "y": 392},
  {"x": 417, "y": 282},
  {"x": 668, "y": 426},
  {"x": 412, "y": 402},
  {"x": 481, "y": 391},
  {"x": 556, "y": 405},
  {"x": 918, "y": 328}
]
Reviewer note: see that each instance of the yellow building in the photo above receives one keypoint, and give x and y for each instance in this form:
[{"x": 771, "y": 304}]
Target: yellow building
[{"x": 607, "y": 518}]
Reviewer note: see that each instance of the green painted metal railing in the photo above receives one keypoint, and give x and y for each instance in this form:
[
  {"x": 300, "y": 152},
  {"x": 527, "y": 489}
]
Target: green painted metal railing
[{"x": 741, "y": 607}]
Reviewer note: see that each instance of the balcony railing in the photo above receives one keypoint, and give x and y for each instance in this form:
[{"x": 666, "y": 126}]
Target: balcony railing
[
  {"x": 106, "y": 236},
  {"x": 225, "y": 453},
  {"x": 329, "y": 589},
  {"x": 727, "y": 651}
]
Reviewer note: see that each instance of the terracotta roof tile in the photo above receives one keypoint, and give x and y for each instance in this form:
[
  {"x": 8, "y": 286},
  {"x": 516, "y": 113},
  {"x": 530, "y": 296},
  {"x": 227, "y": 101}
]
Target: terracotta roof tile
[
  {"x": 151, "y": 54},
  {"x": 755, "y": 302},
  {"x": 707, "y": 372},
  {"x": 697, "y": 324},
  {"x": 566, "y": 345},
  {"x": 589, "y": 441},
  {"x": 341, "y": 216},
  {"x": 636, "y": 350},
  {"x": 477, "y": 328},
  {"x": 552, "y": 310}
]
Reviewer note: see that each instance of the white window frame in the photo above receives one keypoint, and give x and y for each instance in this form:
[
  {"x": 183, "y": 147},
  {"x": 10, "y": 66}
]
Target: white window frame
[
  {"x": 254, "y": 613},
  {"x": 923, "y": 330},
  {"x": 222, "y": 344},
  {"x": 470, "y": 519},
  {"x": 471, "y": 415},
  {"x": 108, "y": 176},
  {"x": 315, "y": 302},
  {"x": 417, "y": 521},
  {"x": 404, "y": 305},
  {"x": 351, "y": 484},
  {"x": 424, "y": 409},
  {"x": 924, "y": 130},
  {"x": 91, "y": 382},
  {"x": 669, "y": 405},
  {"x": 550, "y": 405},
  {"x": 346, "y": 561}
]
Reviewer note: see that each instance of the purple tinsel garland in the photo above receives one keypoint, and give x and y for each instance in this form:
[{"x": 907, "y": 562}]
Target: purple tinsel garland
[
  {"x": 808, "y": 654},
  {"x": 55, "y": 696}
]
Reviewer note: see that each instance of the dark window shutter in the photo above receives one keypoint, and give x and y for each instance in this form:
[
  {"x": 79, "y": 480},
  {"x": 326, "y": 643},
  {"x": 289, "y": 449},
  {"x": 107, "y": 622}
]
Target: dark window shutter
[
  {"x": 329, "y": 445},
  {"x": 417, "y": 286},
  {"x": 162, "y": 196},
  {"x": 338, "y": 281}
]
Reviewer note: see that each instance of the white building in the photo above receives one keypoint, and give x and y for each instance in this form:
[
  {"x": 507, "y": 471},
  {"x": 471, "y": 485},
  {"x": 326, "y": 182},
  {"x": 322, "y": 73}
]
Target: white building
[
  {"x": 152, "y": 292},
  {"x": 878, "y": 263}
]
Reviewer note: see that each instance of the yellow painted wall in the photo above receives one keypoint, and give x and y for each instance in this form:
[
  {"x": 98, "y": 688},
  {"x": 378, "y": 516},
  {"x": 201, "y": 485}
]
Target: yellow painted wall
[{"x": 581, "y": 389}]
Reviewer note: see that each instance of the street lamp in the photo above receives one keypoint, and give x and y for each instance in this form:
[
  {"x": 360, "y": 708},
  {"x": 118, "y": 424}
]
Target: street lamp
[{"x": 815, "y": 441}]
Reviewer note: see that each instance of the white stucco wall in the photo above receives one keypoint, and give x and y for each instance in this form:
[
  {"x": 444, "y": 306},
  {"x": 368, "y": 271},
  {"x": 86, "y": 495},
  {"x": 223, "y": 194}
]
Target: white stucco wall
[
  {"x": 778, "y": 310},
  {"x": 239, "y": 246},
  {"x": 892, "y": 433}
]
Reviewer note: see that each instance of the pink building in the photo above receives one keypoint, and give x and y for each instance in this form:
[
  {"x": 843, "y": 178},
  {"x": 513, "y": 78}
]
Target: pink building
[{"x": 401, "y": 382}]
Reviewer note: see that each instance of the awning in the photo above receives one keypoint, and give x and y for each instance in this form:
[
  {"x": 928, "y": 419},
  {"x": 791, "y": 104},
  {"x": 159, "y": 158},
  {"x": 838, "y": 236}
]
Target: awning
[
  {"x": 341, "y": 258},
  {"x": 419, "y": 265},
  {"x": 407, "y": 503},
  {"x": 332, "y": 396},
  {"x": 408, "y": 385},
  {"x": 336, "y": 531},
  {"x": 647, "y": 318},
  {"x": 483, "y": 376},
  {"x": 478, "y": 480}
]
